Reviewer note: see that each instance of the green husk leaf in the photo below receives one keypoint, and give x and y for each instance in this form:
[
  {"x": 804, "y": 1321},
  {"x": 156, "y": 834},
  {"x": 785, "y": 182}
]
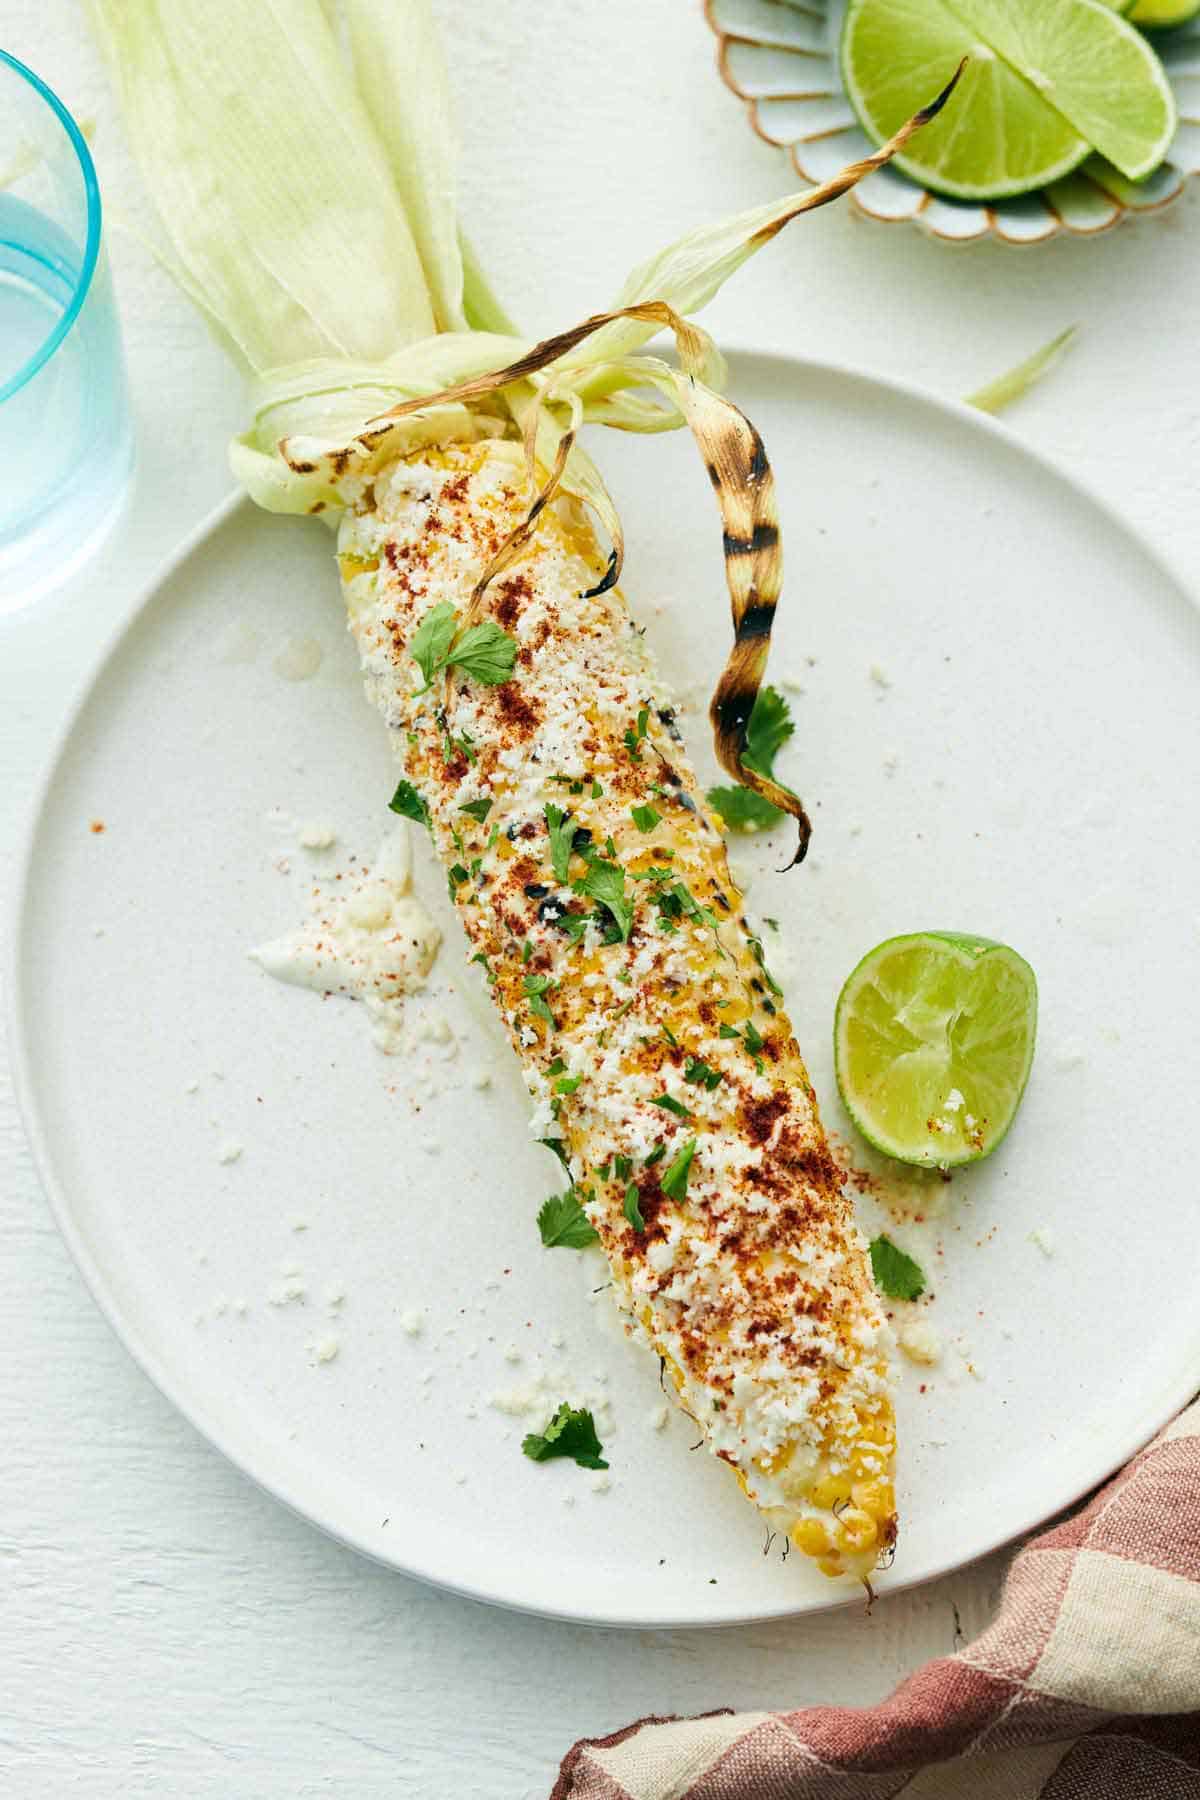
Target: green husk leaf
[{"x": 994, "y": 396}]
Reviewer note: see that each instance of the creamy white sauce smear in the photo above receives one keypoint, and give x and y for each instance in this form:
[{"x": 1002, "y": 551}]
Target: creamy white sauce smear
[{"x": 368, "y": 938}]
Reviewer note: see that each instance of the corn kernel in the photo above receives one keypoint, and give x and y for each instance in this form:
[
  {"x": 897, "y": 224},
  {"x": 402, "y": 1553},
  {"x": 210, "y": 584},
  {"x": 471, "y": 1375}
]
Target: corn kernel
[
  {"x": 831, "y": 1566},
  {"x": 878, "y": 1498},
  {"x": 829, "y": 1490},
  {"x": 811, "y": 1537},
  {"x": 856, "y": 1530}
]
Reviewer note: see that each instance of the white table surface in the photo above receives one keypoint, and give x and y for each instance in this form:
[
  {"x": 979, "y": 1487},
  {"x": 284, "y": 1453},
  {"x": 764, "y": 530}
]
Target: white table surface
[{"x": 164, "y": 1627}]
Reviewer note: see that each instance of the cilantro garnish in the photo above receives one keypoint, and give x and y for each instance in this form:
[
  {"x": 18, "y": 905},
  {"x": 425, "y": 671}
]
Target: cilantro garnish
[
  {"x": 645, "y": 817},
  {"x": 605, "y": 882},
  {"x": 478, "y": 809},
  {"x": 622, "y": 1167},
  {"x": 479, "y": 957},
  {"x": 535, "y": 993},
  {"x": 597, "y": 791},
  {"x": 564, "y": 1224},
  {"x": 761, "y": 959},
  {"x": 408, "y": 803},
  {"x": 560, "y": 1150},
  {"x": 571, "y": 1432},
  {"x": 656, "y": 1155},
  {"x": 675, "y": 1179},
  {"x": 754, "y": 1038},
  {"x": 896, "y": 1274},
  {"x": 634, "y": 735},
  {"x": 633, "y": 1211},
  {"x": 704, "y": 1076},
  {"x": 669, "y": 1104},
  {"x": 728, "y": 1031},
  {"x": 562, "y": 835},
  {"x": 769, "y": 727},
  {"x": 484, "y": 652},
  {"x": 670, "y": 1037},
  {"x": 455, "y": 876},
  {"x": 566, "y": 1084}
]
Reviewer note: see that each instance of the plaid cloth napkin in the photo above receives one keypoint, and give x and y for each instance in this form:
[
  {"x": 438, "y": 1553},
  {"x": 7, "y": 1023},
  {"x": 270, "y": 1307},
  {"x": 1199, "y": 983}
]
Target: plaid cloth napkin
[{"x": 1086, "y": 1687}]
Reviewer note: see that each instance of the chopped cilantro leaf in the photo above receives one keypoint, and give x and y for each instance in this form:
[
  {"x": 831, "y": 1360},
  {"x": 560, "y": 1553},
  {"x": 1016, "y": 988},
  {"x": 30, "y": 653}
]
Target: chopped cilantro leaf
[
  {"x": 571, "y": 1432},
  {"x": 557, "y": 1067},
  {"x": 605, "y": 882},
  {"x": 633, "y": 1211},
  {"x": 564, "y": 1224},
  {"x": 767, "y": 730},
  {"x": 700, "y": 1073},
  {"x": 645, "y": 817},
  {"x": 675, "y": 1179},
  {"x": 432, "y": 639},
  {"x": 560, "y": 1150},
  {"x": 478, "y": 809},
  {"x": 741, "y": 809},
  {"x": 597, "y": 791},
  {"x": 643, "y": 722},
  {"x": 408, "y": 803},
  {"x": 455, "y": 877},
  {"x": 772, "y": 924},
  {"x": 754, "y": 1038},
  {"x": 535, "y": 993},
  {"x": 671, "y": 1105},
  {"x": 728, "y": 1031},
  {"x": 574, "y": 924},
  {"x": 656, "y": 1155},
  {"x": 562, "y": 835},
  {"x": 622, "y": 1167},
  {"x": 484, "y": 651},
  {"x": 896, "y": 1274},
  {"x": 566, "y": 1084},
  {"x": 670, "y": 1037},
  {"x": 479, "y": 957},
  {"x": 761, "y": 959}
]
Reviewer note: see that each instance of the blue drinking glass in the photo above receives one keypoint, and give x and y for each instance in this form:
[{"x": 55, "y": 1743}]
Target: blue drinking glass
[{"x": 66, "y": 441}]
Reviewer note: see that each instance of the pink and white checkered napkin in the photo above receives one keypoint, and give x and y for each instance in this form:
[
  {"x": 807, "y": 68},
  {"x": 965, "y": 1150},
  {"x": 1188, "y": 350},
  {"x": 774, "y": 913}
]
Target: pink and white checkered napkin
[{"x": 1086, "y": 1687}]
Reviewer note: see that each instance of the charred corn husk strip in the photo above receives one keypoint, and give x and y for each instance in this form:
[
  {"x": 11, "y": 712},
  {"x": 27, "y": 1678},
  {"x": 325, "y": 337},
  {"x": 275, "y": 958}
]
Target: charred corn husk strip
[{"x": 650, "y": 1032}]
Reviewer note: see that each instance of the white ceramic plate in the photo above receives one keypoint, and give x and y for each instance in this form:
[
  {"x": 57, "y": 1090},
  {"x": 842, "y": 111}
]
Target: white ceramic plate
[{"x": 1027, "y": 774}]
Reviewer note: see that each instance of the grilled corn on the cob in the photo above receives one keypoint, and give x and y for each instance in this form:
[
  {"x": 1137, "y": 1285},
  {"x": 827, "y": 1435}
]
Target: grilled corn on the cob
[{"x": 594, "y": 888}]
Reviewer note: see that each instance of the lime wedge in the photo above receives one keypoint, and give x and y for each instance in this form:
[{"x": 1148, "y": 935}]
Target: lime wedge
[
  {"x": 1043, "y": 83},
  {"x": 997, "y": 136},
  {"x": 933, "y": 1043},
  {"x": 1092, "y": 67},
  {"x": 1161, "y": 12}
]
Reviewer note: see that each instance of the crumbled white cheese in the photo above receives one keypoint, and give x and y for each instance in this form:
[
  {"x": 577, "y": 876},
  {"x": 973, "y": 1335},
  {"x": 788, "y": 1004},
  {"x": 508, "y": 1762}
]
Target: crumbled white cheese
[
  {"x": 291, "y": 1288},
  {"x": 334, "y": 1295},
  {"x": 511, "y": 1353},
  {"x": 920, "y": 1341},
  {"x": 880, "y": 677},
  {"x": 953, "y": 1101},
  {"x": 317, "y": 835},
  {"x": 412, "y": 1323},
  {"x": 891, "y": 761},
  {"x": 191, "y": 1087},
  {"x": 1043, "y": 1237},
  {"x": 325, "y": 1349},
  {"x": 659, "y": 1417},
  {"x": 229, "y": 1151},
  {"x": 601, "y": 1481}
]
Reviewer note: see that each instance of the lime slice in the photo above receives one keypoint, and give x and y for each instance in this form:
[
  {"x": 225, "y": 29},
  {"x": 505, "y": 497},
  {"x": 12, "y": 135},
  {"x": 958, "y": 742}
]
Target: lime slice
[
  {"x": 1042, "y": 84},
  {"x": 933, "y": 1042},
  {"x": 1092, "y": 67},
  {"x": 1161, "y": 12},
  {"x": 996, "y": 136}
]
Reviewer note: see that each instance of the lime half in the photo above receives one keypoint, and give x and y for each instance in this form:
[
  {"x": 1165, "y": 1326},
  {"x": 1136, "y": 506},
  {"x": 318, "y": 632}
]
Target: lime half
[
  {"x": 1042, "y": 85},
  {"x": 933, "y": 1042},
  {"x": 1162, "y": 12}
]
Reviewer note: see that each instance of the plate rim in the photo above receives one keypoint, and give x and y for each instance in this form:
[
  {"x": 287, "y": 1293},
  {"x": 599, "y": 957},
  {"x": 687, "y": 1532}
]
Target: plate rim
[{"x": 177, "y": 1390}]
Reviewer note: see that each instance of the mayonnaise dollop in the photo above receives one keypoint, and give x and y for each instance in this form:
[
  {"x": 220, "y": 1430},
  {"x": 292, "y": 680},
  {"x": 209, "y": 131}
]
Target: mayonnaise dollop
[{"x": 368, "y": 938}]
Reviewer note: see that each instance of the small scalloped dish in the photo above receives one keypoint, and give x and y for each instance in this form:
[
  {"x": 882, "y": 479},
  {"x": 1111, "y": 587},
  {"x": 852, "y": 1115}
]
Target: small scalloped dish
[{"x": 780, "y": 57}]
